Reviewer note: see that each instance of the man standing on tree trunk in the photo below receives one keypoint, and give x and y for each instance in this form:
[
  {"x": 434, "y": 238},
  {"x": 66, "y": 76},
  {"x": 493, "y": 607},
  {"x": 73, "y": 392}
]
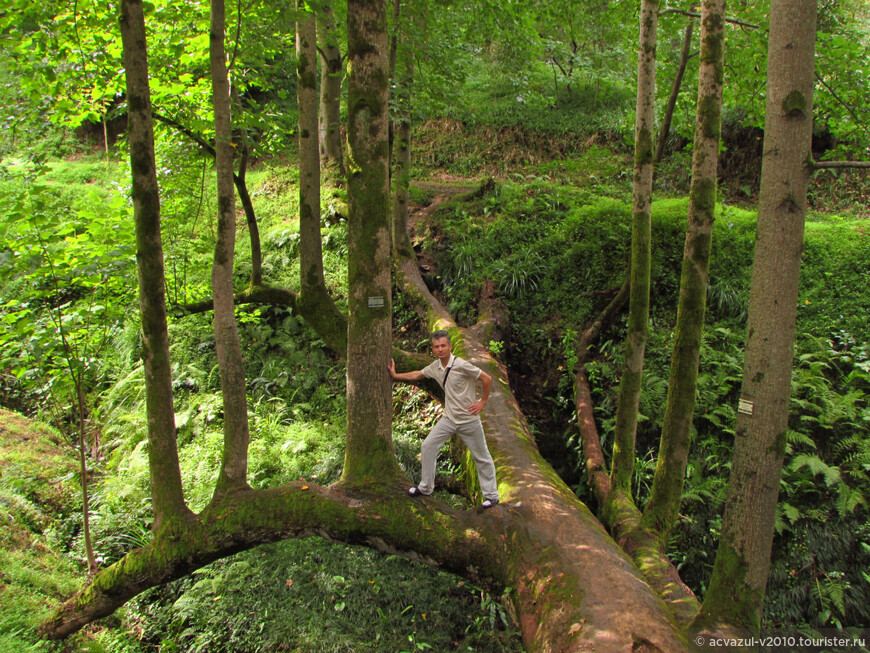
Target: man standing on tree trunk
[{"x": 461, "y": 415}]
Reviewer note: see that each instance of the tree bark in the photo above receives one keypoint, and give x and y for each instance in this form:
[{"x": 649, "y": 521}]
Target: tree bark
[
  {"x": 663, "y": 507},
  {"x": 167, "y": 498},
  {"x": 310, "y": 247},
  {"x": 250, "y": 216},
  {"x": 638, "y": 312},
  {"x": 617, "y": 509},
  {"x": 330, "y": 88},
  {"x": 368, "y": 456},
  {"x": 234, "y": 462},
  {"x": 314, "y": 301},
  {"x": 402, "y": 74},
  {"x": 736, "y": 592},
  {"x": 391, "y": 70},
  {"x": 665, "y": 128}
]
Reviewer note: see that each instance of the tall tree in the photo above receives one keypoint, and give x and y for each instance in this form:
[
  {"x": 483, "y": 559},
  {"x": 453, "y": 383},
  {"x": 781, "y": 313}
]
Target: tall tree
[
  {"x": 638, "y": 310},
  {"x": 664, "y": 502},
  {"x": 331, "y": 73},
  {"x": 310, "y": 248},
  {"x": 403, "y": 52},
  {"x": 167, "y": 498},
  {"x": 736, "y": 592},
  {"x": 234, "y": 462},
  {"x": 369, "y": 336},
  {"x": 314, "y": 301}
]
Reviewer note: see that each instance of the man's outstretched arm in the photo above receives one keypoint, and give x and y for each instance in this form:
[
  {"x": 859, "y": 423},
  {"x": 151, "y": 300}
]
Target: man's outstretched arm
[{"x": 416, "y": 375}]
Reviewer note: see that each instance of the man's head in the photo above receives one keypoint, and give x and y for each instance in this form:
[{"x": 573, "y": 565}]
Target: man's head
[{"x": 440, "y": 341}]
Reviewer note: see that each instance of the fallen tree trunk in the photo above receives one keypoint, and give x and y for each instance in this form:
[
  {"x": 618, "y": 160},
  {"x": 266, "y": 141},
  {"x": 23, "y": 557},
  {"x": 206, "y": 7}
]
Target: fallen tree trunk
[{"x": 576, "y": 590}]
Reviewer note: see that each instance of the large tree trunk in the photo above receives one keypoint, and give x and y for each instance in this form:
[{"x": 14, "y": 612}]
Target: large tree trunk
[
  {"x": 330, "y": 87},
  {"x": 638, "y": 310},
  {"x": 736, "y": 592},
  {"x": 663, "y": 507},
  {"x": 234, "y": 462},
  {"x": 368, "y": 456},
  {"x": 167, "y": 498}
]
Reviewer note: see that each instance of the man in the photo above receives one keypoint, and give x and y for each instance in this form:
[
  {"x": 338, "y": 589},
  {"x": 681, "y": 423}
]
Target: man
[{"x": 461, "y": 415}]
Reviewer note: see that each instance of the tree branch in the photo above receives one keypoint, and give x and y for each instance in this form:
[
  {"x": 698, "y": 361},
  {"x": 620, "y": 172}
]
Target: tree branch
[
  {"x": 465, "y": 542},
  {"x": 692, "y": 14},
  {"x": 846, "y": 106},
  {"x": 821, "y": 165}
]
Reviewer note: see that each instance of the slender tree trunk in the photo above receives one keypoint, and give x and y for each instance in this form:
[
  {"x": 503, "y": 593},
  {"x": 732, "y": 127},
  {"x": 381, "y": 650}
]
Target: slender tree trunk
[
  {"x": 391, "y": 68},
  {"x": 401, "y": 184},
  {"x": 330, "y": 87},
  {"x": 638, "y": 311},
  {"x": 368, "y": 455},
  {"x": 665, "y": 128},
  {"x": 310, "y": 248},
  {"x": 314, "y": 301},
  {"x": 250, "y": 216},
  {"x": 167, "y": 498},
  {"x": 736, "y": 592},
  {"x": 83, "y": 467},
  {"x": 664, "y": 503},
  {"x": 234, "y": 463},
  {"x": 403, "y": 83}
]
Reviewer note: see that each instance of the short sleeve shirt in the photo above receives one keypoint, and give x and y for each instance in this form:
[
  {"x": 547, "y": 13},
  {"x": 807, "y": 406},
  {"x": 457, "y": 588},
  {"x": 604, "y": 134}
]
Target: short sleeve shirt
[{"x": 461, "y": 390}]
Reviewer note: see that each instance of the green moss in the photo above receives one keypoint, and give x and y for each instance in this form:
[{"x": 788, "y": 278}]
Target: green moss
[
  {"x": 643, "y": 150},
  {"x": 704, "y": 199},
  {"x": 794, "y": 103},
  {"x": 729, "y": 598},
  {"x": 710, "y": 113}
]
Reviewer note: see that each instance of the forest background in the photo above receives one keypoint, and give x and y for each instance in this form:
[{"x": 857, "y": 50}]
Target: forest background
[{"x": 530, "y": 106}]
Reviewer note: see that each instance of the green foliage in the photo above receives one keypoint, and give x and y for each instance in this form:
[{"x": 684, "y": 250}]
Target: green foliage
[
  {"x": 316, "y": 596},
  {"x": 64, "y": 281}
]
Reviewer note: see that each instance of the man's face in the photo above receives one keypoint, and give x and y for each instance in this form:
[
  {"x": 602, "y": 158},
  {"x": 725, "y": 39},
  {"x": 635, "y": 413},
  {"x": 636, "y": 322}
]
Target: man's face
[{"x": 441, "y": 348}]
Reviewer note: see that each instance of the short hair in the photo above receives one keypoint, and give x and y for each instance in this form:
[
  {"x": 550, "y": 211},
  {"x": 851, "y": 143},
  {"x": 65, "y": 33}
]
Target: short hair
[{"x": 437, "y": 335}]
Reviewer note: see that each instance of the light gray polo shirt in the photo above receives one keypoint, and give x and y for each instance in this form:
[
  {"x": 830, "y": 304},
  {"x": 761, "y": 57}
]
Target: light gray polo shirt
[{"x": 461, "y": 390}]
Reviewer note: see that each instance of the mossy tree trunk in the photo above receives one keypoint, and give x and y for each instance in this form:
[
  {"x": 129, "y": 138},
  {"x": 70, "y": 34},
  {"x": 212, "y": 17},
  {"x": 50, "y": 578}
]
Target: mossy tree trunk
[
  {"x": 310, "y": 247},
  {"x": 402, "y": 71},
  {"x": 167, "y": 498},
  {"x": 736, "y": 592},
  {"x": 638, "y": 309},
  {"x": 662, "y": 509},
  {"x": 314, "y": 301},
  {"x": 234, "y": 461},
  {"x": 559, "y": 555},
  {"x": 368, "y": 455},
  {"x": 331, "y": 74}
]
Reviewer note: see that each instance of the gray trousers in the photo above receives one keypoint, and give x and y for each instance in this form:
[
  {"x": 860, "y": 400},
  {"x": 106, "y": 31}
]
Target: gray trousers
[{"x": 473, "y": 437}]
